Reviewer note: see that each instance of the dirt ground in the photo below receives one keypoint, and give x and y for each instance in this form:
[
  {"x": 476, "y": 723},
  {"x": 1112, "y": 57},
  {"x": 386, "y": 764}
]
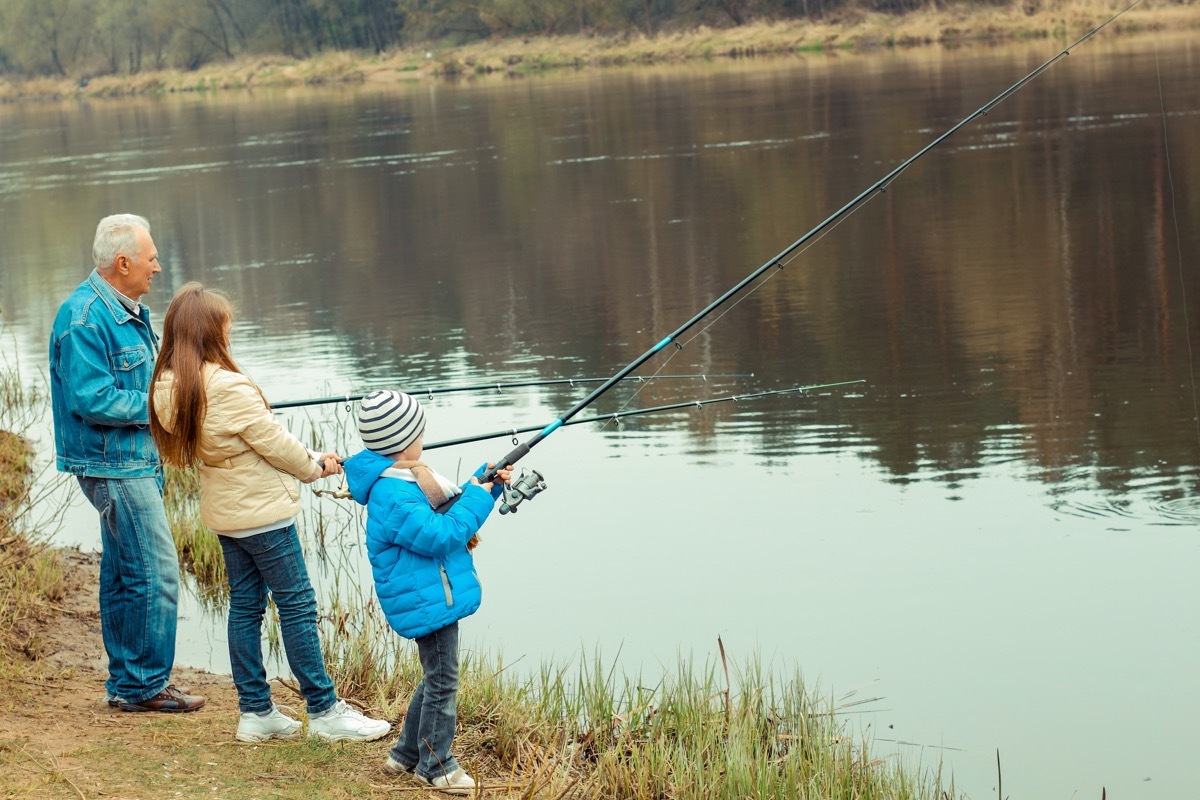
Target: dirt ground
[{"x": 60, "y": 739}]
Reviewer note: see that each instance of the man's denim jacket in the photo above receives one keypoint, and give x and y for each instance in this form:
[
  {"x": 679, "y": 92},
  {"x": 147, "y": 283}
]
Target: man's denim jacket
[{"x": 101, "y": 361}]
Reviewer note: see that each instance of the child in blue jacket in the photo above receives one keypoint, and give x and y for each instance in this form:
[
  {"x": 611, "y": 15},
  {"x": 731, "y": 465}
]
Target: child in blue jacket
[{"x": 424, "y": 575}]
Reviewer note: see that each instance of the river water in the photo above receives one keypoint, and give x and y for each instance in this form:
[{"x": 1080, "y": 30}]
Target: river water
[{"x": 992, "y": 538}]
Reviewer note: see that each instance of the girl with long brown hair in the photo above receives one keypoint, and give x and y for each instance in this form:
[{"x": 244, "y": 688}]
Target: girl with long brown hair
[{"x": 206, "y": 413}]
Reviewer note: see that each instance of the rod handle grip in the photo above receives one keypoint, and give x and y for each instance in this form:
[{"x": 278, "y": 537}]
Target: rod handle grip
[
  {"x": 519, "y": 452},
  {"x": 488, "y": 474}
]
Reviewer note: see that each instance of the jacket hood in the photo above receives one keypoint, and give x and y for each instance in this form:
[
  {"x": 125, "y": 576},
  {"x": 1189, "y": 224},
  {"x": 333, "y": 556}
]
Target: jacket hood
[{"x": 362, "y": 470}]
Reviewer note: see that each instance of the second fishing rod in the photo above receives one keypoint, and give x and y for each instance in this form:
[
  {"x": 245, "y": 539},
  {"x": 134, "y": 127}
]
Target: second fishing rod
[{"x": 780, "y": 260}]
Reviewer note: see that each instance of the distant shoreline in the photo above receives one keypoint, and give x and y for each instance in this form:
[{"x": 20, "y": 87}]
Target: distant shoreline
[{"x": 849, "y": 33}]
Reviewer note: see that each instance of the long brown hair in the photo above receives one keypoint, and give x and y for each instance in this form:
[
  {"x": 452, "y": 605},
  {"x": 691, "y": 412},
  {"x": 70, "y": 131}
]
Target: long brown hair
[{"x": 194, "y": 333}]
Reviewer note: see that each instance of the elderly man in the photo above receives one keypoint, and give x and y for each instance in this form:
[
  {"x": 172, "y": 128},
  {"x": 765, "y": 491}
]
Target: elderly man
[{"x": 102, "y": 352}]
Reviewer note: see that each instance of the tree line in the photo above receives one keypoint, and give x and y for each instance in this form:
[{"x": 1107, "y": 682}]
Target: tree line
[{"x": 92, "y": 37}]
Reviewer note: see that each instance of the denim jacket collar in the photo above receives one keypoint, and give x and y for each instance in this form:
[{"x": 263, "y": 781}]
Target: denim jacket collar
[{"x": 106, "y": 292}]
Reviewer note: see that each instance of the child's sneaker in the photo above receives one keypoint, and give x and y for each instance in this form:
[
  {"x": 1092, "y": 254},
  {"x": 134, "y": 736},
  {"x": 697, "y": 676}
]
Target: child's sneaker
[
  {"x": 394, "y": 767},
  {"x": 275, "y": 724},
  {"x": 457, "y": 782},
  {"x": 342, "y": 722}
]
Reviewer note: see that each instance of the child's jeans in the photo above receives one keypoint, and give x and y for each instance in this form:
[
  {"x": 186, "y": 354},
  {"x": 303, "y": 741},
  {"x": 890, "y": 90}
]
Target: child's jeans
[{"x": 433, "y": 710}]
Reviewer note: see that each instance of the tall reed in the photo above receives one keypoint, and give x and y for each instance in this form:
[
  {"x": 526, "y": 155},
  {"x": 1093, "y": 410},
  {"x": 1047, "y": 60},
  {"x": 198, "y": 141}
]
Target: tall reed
[
  {"x": 607, "y": 735},
  {"x": 199, "y": 548}
]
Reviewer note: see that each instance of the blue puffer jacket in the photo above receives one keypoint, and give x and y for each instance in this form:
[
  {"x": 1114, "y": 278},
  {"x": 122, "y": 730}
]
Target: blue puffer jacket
[{"x": 424, "y": 575}]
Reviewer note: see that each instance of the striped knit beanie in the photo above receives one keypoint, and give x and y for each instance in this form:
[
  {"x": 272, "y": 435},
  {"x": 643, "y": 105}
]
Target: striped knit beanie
[{"x": 389, "y": 421}]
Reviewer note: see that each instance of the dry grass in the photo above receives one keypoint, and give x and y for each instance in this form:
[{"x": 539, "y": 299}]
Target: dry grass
[
  {"x": 14, "y": 476},
  {"x": 199, "y": 548},
  {"x": 31, "y": 575}
]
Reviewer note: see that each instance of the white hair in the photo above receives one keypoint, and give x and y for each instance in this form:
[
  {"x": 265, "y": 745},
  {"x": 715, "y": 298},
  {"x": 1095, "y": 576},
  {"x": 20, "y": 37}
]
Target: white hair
[{"x": 116, "y": 235}]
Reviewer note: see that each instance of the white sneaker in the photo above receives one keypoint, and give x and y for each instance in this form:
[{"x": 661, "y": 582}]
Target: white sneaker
[
  {"x": 394, "y": 767},
  {"x": 457, "y": 782},
  {"x": 254, "y": 727},
  {"x": 342, "y": 722}
]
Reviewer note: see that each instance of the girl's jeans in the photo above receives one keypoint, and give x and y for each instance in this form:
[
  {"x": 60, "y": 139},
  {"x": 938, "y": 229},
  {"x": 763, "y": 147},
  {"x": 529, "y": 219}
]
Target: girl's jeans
[
  {"x": 429, "y": 725},
  {"x": 139, "y": 584},
  {"x": 273, "y": 561}
]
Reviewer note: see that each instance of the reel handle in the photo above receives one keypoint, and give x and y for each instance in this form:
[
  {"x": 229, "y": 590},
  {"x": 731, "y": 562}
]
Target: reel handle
[{"x": 526, "y": 487}]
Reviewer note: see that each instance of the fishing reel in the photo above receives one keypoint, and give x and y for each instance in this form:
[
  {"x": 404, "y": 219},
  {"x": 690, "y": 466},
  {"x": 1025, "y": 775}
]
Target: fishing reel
[{"x": 528, "y": 485}]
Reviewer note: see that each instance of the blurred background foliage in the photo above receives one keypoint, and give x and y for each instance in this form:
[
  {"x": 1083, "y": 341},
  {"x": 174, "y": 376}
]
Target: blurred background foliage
[{"x": 112, "y": 37}]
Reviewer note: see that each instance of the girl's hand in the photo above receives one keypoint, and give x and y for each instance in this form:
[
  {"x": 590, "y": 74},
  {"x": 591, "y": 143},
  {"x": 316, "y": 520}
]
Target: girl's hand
[
  {"x": 331, "y": 464},
  {"x": 327, "y": 464}
]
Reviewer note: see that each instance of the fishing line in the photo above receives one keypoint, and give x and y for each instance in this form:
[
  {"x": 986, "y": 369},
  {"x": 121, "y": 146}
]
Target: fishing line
[
  {"x": 637, "y": 412},
  {"x": 781, "y": 261},
  {"x": 879, "y": 187},
  {"x": 738, "y": 301},
  {"x": 1187, "y": 325},
  {"x": 787, "y": 260},
  {"x": 499, "y": 388},
  {"x": 534, "y": 484}
]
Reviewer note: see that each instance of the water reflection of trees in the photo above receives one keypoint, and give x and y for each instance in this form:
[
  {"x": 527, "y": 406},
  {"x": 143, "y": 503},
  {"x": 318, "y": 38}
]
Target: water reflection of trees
[{"x": 1016, "y": 294}]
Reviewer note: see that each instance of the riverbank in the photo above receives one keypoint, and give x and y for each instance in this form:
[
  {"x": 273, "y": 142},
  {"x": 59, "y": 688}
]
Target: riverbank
[
  {"x": 848, "y": 32},
  {"x": 60, "y": 739},
  {"x": 569, "y": 732}
]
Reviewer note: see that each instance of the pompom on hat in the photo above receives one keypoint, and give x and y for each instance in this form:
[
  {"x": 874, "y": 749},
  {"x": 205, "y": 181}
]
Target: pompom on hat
[{"x": 389, "y": 421}]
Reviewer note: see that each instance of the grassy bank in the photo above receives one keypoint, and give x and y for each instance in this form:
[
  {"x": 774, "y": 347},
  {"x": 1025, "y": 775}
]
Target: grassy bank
[
  {"x": 582, "y": 729},
  {"x": 846, "y": 32},
  {"x": 573, "y": 729}
]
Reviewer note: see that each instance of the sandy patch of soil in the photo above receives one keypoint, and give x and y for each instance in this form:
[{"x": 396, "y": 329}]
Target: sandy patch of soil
[{"x": 60, "y": 739}]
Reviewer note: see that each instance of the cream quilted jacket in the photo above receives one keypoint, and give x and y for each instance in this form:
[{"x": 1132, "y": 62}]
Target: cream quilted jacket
[{"x": 249, "y": 462}]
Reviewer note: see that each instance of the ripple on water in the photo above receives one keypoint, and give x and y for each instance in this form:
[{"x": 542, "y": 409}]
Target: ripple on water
[
  {"x": 1098, "y": 508},
  {"x": 1181, "y": 511}
]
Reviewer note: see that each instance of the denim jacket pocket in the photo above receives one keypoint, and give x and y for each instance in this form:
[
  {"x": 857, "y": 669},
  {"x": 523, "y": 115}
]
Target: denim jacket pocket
[{"x": 128, "y": 367}]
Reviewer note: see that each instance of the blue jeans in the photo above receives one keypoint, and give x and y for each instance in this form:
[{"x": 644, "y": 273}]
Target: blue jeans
[
  {"x": 139, "y": 584},
  {"x": 433, "y": 710},
  {"x": 274, "y": 562}
]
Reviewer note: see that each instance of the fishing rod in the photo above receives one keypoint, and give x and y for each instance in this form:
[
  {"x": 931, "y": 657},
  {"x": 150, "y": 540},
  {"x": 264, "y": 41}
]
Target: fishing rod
[
  {"x": 531, "y": 483},
  {"x": 620, "y": 415},
  {"x": 499, "y": 387},
  {"x": 778, "y": 261}
]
